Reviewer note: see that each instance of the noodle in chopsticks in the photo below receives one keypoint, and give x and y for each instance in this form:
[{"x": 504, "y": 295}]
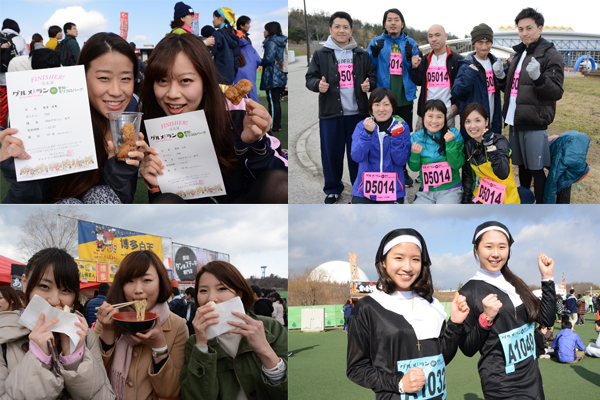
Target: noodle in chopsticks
[{"x": 140, "y": 309}]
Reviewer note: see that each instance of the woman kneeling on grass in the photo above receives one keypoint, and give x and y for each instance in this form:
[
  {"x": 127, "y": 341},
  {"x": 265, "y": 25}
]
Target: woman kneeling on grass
[
  {"x": 250, "y": 361},
  {"x": 401, "y": 325}
]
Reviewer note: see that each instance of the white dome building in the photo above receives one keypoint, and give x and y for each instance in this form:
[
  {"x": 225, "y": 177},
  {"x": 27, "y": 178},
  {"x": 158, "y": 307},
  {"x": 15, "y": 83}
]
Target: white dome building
[{"x": 336, "y": 271}]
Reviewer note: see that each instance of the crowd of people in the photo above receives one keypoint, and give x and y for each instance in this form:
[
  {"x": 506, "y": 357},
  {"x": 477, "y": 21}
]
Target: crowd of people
[
  {"x": 250, "y": 158},
  {"x": 176, "y": 358},
  {"x": 366, "y": 100}
]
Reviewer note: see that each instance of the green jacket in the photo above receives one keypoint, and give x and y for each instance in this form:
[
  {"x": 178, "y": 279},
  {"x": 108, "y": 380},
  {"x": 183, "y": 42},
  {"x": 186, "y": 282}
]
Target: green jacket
[
  {"x": 217, "y": 376},
  {"x": 72, "y": 45}
]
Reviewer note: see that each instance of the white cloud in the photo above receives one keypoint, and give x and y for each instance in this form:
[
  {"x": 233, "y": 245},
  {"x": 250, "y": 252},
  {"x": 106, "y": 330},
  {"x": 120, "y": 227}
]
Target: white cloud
[
  {"x": 281, "y": 11},
  {"x": 88, "y": 22},
  {"x": 139, "y": 38}
]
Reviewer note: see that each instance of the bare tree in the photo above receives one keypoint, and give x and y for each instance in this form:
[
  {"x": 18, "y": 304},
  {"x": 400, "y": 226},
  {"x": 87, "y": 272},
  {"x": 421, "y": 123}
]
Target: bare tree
[
  {"x": 310, "y": 289},
  {"x": 44, "y": 228}
]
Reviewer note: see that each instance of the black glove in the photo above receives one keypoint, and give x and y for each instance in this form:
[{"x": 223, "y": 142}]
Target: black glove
[
  {"x": 408, "y": 50},
  {"x": 376, "y": 49},
  {"x": 488, "y": 138}
]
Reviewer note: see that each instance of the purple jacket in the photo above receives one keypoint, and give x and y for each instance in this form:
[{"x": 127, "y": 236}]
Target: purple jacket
[{"x": 248, "y": 71}]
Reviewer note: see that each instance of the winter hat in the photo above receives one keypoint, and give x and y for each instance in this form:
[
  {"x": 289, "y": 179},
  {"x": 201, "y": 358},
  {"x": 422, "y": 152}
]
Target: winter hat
[
  {"x": 181, "y": 10},
  {"x": 481, "y": 32},
  {"x": 207, "y": 31},
  {"x": 228, "y": 15}
]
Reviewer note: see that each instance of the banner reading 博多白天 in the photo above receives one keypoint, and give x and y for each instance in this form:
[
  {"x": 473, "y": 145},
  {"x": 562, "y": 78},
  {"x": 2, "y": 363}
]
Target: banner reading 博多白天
[{"x": 104, "y": 243}]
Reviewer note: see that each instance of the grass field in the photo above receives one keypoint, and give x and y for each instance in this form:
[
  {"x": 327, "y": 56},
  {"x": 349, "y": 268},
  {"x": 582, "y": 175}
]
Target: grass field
[{"x": 318, "y": 370}]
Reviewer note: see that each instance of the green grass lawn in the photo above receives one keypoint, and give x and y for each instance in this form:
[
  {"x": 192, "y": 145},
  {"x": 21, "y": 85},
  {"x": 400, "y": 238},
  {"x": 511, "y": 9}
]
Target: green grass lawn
[{"x": 318, "y": 370}]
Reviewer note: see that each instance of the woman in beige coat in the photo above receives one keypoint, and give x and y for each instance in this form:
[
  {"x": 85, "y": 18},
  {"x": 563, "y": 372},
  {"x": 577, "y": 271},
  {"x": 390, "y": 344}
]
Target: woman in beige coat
[
  {"x": 25, "y": 361},
  {"x": 146, "y": 364}
]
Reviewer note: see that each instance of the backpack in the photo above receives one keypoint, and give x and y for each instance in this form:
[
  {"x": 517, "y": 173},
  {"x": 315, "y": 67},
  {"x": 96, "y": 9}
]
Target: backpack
[
  {"x": 66, "y": 58},
  {"x": 8, "y": 53}
]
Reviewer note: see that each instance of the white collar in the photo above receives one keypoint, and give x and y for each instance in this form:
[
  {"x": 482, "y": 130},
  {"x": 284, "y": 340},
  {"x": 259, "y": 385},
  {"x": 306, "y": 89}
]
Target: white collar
[
  {"x": 425, "y": 318},
  {"x": 497, "y": 279}
]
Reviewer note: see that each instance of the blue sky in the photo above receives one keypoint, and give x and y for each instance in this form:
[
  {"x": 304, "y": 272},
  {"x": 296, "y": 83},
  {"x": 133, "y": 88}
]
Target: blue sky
[
  {"x": 149, "y": 20},
  {"x": 567, "y": 233}
]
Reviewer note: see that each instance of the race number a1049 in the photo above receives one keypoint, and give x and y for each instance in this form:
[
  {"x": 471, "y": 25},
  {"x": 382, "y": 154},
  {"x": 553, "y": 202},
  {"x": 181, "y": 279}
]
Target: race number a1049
[{"x": 436, "y": 174}]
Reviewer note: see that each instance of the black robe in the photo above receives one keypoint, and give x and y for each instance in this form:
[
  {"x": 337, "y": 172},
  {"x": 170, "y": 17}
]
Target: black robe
[
  {"x": 526, "y": 381},
  {"x": 378, "y": 338}
]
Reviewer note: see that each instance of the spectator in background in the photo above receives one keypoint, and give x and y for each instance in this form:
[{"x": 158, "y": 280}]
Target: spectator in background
[
  {"x": 10, "y": 31},
  {"x": 178, "y": 304},
  {"x": 55, "y": 33},
  {"x": 273, "y": 78},
  {"x": 70, "y": 40},
  {"x": 9, "y": 299},
  {"x": 580, "y": 310},
  {"x": 593, "y": 349},
  {"x": 37, "y": 42},
  {"x": 571, "y": 307},
  {"x": 90, "y": 307},
  {"x": 565, "y": 343},
  {"x": 139, "y": 78},
  {"x": 226, "y": 49},
  {"x": 243, "y": 27},
  {"x": 183, "y": 19},
  {"x": 248, "y": 63},
  {"x": 190, "y": 310},
  {"x": 347, "y": 313},
  {"x": 559, "y": 307},
  {"x": 261, "y": 306},
  {"x": 277, "y": 307}
]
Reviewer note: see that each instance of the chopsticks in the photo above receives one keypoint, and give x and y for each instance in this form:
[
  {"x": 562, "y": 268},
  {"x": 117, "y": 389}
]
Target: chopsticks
[{"x": 119, "y": 305}]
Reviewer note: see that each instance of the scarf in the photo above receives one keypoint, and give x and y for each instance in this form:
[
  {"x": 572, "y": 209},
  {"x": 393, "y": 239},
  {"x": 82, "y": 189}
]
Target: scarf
[
  {"x": 497, "y": 279},
  {"x": 122, "y": 354},
  {"x": 425, "y": 318}
]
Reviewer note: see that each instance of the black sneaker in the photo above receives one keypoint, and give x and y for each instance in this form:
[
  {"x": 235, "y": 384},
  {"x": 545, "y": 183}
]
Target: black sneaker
[
  {"x": 408, "y": 181},
  {"x": 332, "y": 198},
  {"x": 417, "y": 179}
]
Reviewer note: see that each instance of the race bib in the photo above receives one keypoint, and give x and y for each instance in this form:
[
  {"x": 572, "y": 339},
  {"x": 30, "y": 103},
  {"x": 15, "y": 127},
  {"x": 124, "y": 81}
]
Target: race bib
[
  {"x": 382, "y": 185},
  {"x": 515, "y": 84},
  {"x": 489, "y": 74},
  {"x": 346, "y": 78},
  {"x": 437, "y": 77},
  {"x": 436, "y": 174},
  {"x": 490, "y": 192},
  {"x": 517, "y": 344},
  {"x": 395, "y": 63},
  {"x": 434, "y": 369}
]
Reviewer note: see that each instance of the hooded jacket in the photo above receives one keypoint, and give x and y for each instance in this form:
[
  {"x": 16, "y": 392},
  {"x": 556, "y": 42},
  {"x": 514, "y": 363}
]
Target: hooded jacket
[
  {"x": 324, "y": 64},
  {"x": 225, "y": 51},
  {"x": 470, "y": 86},
  {"x": 273, "y": 75},
  {"x": 536, "y": 100},
  {"x": 85, "y": 378},
  {"x": 419, "y": 75},
  {"x": 381, "y": 153},
  {"x": 569, "y": 166},
  {"x": 248, "y": 71},
  {"x": 382, "y": 63},
  {"x": 72, "y": 45}
]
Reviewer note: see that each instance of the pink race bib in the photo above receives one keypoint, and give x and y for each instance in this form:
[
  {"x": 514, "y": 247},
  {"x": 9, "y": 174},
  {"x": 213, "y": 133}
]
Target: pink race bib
[
  {"x": 490, "y": 192},
  {"x": 396, "y": 64},
  {"x": 515, "y": 84},
  {"x": 382, "y": 185},
  {"x": 436, "y": 174},
  {"x": 437, "y": 77},
  {"x": 346, "y": 78},
  {"x": 489, "y": 74}
]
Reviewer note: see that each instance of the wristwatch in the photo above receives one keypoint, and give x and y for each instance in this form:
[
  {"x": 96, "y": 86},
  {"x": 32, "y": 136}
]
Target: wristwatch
[
  {"x": 160, "y": 352},
  {"x": 400, "y": 387}
]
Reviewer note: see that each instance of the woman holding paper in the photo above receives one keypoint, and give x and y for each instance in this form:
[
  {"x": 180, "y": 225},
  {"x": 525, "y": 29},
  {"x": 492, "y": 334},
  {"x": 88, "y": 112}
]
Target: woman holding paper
[
  {"x": 181, "y": 78},
  {"x": 488, "y": 154},
  {"x": 110, "y": 66},
  {"x": 258, "y": 344},
  {"x": 500, "y": 325},
  {"x": 146, "y": 364},
  {"x": 51, "y": 274}
]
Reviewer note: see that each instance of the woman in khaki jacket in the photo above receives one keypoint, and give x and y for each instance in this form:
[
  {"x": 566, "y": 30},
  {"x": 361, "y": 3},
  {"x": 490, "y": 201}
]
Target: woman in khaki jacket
[
  {"x": 26, "y": 370},
  {"x": 144, "y": 365}
]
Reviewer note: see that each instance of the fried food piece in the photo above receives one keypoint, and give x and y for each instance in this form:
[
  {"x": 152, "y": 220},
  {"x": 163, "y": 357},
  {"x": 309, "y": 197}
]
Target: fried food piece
[
  {"x": 66, "y": 309},
  {"x": 236, "y": 93},
  {"x": 128, "y": 141},
  {"x": 211, "y": 303},
  {"x": 124, "y": 150}
]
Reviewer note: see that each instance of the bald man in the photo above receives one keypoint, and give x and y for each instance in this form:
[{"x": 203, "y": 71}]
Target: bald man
[{"x": 435, "y": 73}]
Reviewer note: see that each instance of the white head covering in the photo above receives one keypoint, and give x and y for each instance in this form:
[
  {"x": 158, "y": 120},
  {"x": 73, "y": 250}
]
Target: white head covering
[{"x": 497, "y": 279}]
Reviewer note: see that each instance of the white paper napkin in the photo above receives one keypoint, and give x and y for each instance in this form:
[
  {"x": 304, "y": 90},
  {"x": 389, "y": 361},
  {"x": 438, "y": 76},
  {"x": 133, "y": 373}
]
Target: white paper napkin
[
  {"x": 224, "y": 310},
  {"x": 65, "y": 324}
]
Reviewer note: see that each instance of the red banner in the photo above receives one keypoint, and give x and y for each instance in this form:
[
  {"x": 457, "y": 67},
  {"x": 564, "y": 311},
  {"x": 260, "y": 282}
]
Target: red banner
[{"x": 124, "y": 24}]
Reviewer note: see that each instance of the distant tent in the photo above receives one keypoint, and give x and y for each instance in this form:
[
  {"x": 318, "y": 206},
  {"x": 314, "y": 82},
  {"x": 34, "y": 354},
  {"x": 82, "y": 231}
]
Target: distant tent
[
  {"x": 587, "y": 56},
  {"x": 5, "y": 263}
]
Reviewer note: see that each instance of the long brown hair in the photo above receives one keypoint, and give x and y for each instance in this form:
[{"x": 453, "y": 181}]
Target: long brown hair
[
  {"x": 531, "y": 303},
  {"x": 229, "y": 276},
  {"x": 213, "y": 101},
  {"x": 11, "y": 297},
  {"x": 75, "y": 185}
]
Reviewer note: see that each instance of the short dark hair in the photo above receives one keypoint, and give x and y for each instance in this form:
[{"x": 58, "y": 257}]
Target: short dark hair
[
  {"x": 134, "y": 265},
  {"x": 68, "y": 26},
  {"x": 597, "y": 322},
  {"x": 572, "y": 291},
  {"x": 243, "y": 20},
  {"x": 273, "y": 28},
  {"x": 469, "y": 108},
  {"x": 176, "y": 291},
  {"x": 190, "y": 291},
  {"x": 54, "y": 30},
  {"x": 530, "y": 13},
  {"x": 438, "y": 105},
  {"x": 393, "y": 11},
  {"x": 340, "y": 14},
  {"x": 103, "y": 288},
  {"x": 579, "y": 296},
  {"x": 379, "y": 94},
  {"x": 256, "y": 290},
  {"x": 566, "y": 324},
  {"x": 11, "y": 24},
  {"x": 229, "y": 276}
]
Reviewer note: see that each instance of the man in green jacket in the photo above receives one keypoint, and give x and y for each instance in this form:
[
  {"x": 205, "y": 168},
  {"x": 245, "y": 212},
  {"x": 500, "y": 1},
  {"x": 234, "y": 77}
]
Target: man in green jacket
[{"x": 71, "y": 32}]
